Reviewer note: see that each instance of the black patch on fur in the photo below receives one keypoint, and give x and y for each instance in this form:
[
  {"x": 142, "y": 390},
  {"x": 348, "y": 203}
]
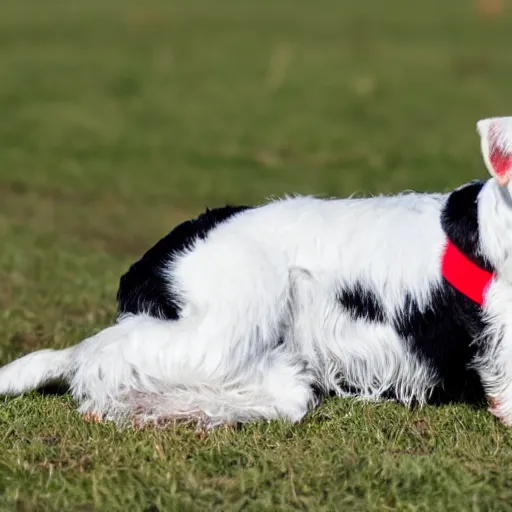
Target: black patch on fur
[
  {"x": 441, "y": 337},
  {"x": 361, "y": 303},
  {"x": 442, "y": 334},
  {"x": 143, "y": 289},
  {"x": 460, "y": 222}
]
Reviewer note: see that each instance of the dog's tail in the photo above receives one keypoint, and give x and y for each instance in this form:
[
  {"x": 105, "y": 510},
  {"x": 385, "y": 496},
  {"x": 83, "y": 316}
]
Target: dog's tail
[{"x": 35, "y": 370}]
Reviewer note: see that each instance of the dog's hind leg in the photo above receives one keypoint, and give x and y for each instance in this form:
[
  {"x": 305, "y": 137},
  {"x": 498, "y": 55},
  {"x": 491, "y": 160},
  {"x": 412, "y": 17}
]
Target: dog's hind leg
[
  {"x": 223, "y": 359},
  {"x": 277, "y": 388},
  {"x": 146, "y": 370}
]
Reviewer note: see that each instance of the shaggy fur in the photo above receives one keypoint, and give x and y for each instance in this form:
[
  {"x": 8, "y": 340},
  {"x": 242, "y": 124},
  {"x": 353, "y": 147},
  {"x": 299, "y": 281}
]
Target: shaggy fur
[{"x": 257, "y": 313}]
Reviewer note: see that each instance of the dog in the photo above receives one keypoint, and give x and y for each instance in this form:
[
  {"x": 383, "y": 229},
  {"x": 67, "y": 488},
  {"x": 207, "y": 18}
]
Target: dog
[{"x": 257, "y": 313}]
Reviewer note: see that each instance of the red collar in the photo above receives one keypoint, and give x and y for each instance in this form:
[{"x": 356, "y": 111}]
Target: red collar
[{"x": 464, "y": 275}]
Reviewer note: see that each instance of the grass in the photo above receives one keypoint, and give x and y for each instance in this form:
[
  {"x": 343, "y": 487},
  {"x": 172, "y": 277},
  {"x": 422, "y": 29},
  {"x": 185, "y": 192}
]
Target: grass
[{"x": 121, "y": 118}]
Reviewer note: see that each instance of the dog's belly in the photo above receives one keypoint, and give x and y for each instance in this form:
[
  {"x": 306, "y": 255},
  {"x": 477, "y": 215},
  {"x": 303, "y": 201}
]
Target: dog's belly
[
  {"x": 411, "y": 350},
  {"x": 376, "y": 358}
]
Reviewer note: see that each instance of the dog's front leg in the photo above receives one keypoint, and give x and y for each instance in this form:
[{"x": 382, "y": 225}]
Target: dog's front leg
[
  {"x": 495, "y": 370},
  {"x": 494, "y": 365},
  {"x": 494, "y": 355}
]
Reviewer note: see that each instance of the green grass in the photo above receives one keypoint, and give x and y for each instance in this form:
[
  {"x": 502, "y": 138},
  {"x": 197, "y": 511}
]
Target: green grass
[{"x": 119, "y": 119}]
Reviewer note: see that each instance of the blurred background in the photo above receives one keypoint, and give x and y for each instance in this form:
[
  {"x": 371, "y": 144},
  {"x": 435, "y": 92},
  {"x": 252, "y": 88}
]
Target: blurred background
[{"x": 119, "y": 119}]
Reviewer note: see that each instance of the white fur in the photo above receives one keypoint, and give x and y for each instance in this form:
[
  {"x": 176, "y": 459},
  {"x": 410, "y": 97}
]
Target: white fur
[
  {"x": 274, "y": 266},
  {"x": 260, "y": 322}
]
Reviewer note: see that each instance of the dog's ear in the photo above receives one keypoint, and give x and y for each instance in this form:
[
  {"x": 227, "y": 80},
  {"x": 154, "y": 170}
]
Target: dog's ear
[{"x": 496, "y": 143}]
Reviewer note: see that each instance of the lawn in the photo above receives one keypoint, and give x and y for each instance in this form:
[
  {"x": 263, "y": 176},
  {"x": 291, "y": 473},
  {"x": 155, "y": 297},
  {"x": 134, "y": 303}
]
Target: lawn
[{"x": 119, "y": 119}]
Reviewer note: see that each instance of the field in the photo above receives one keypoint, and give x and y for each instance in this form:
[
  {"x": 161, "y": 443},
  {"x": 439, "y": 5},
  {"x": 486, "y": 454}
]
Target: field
[{"x": 119, "y": 119}]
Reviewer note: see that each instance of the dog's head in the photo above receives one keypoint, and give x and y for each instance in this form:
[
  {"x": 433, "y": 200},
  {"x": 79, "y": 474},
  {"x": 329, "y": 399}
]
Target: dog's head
[{"x": 496, "y": 143}]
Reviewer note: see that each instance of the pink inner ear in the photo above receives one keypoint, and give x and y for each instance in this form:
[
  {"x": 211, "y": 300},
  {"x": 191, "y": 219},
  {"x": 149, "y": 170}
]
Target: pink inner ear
[{"x": 500, "y": 156}]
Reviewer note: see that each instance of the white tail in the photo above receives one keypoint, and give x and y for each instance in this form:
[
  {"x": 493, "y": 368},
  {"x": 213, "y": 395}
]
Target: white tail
[{"x": 35, "y": 370}]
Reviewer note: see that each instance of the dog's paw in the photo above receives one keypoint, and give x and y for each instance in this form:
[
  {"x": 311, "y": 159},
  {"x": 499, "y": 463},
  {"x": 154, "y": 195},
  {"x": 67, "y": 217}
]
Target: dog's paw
[
  {"x": 497, "y": 409},
  {"x": 92, "y": 417}
]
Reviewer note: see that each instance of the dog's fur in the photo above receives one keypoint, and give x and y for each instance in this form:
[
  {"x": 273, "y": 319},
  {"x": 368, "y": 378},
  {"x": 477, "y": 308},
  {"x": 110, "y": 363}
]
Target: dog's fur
[{"x": 257, "y": 313}]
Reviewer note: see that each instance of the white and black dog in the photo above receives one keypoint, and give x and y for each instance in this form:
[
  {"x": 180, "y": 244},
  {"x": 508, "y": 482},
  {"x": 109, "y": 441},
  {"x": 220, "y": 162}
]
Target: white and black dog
[{"x": 253, "y": 313}]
